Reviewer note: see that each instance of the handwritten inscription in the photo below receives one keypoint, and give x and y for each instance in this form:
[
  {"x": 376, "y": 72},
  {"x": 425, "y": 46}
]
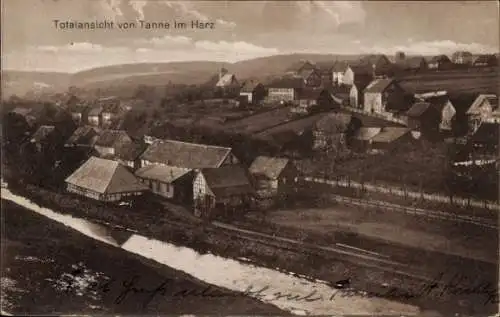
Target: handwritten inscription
[{"x": 436, "y": 289}]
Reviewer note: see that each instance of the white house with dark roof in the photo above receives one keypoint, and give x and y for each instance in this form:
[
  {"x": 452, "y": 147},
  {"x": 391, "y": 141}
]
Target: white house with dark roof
[
  {"x": 109, "y": 140},
  {"x": 104, "y": 180},
  {"x": 379, "y": 93},
  {"x": 228, "y": 188},
  {"x": 167, "y": 181},
  {"x": 273, "y": 176},
  {"x": 484, "y": 109},
  {"x": 187, "y": 155},
  {"x": 253, "y": 91}
]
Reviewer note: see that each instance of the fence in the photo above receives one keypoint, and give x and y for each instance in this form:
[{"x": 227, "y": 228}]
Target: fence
[{"x": 405, "y": 193}]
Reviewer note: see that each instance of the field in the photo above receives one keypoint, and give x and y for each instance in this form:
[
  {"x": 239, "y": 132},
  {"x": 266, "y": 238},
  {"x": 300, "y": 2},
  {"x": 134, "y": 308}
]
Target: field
[
  {"x": 260, "y": 122},
  {"x": 296, "y": 126},
  {"x": 453, "y": 83},
  {"x": 50, "y": 269}
]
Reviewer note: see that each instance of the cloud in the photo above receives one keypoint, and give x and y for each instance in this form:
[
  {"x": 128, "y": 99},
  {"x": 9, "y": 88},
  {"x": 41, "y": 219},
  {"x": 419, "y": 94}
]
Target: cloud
[
  {"x": 432, "y": 48},
  {"x": 138, "y": 6},
  {"x": 236, "y": 47},
  {"x": 82, "y": 47},
  {"x": 173, "y": 41},
  {"x": 340, "y": 12},
  {"x": 111, "y": 8}
]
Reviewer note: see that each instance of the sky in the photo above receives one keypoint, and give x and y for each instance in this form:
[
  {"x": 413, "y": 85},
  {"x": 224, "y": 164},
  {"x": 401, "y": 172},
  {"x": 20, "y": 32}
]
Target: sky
[{"x": 242, "y": 30}]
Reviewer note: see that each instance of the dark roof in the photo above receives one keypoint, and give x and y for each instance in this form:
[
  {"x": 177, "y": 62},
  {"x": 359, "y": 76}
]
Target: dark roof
[
  {"x": 84, "y": 135},
  {"x": 184, "y": 154},
  {"x": 373, "y": 58},
  {"x": 105, "y": 177},
  {"x": 108, "y": 138},
  {"x": 438, "y": 102},
  {"x": 339, "y": 89},
  {"x": 228, "y": 180},
  {"x": 270, "y": 167},
  {"x": 22, "y": 111},
  {"x": 297, "y": 66},
  {"x": 440, "y": 58},
  {"x": 95, "y": 111},
  {"x": 79, "y": 108},
  {"x": 130, "y": 151},
  {"x": 418, "y": 109},
  {"x": 42, "y": 133},
  {"x": 287, "y": 82},
  {"x": 487, "y": 133},
  {"x": 249, "y": 86},
  {"x": 310, "y": 94},
  {"x": 361, "y": 69},
  {"x": 413, "y": 62},
  {"x": 340, "y": 66},
  {"x": 305, "y": 73},
  {"x": 378, "y": 85}
]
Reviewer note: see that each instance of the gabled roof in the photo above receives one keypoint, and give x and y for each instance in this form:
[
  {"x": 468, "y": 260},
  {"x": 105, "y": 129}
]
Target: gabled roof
[
  {"x": 228, "y": 180},
  {"x": 163, "y": 173},
  {"x": 42, "y": 133},
  {"x": 22, "y": 111},
  {"x": 249, "y": 86},
  {"x": 307, "y": 72},
  {"x": 310, "y": 94},
  {"x": 184, "y": 154},
  {"x": 378, "y": 85},
  {"x": 412, "y": 62},
  {"x": 492, "y": 99},
  {"x": 418, "y": 109},
  {"x": 270, "y": 167},
  {"x": 105, "y": 177},
  {"x": 361, "y": 69},
  {"x": 84, "y": 135},
  {"x": 108, "y": 138},
  {"x": 438, "y": 102},
  {"x": 440, "y": 58},
  {"x": 340, "y": 66},
  {"x": 226, "y": 80},
  {"x": 390, "y": 134},
  {"x": 287, "y": 82},
  {"x": 95, "y": 111},
  {"x": 130, "y": 151},
  {"x": 339, "y": 89},
  {"x": 373, "y": 58},
  {"x": 113, "y": 107},
  {"x": 79, "y": 108},
  {"x": 298, "y": 66}
]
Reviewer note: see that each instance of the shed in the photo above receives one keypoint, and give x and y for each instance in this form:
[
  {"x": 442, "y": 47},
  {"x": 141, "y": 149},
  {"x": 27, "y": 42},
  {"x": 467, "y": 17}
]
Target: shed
[
  {"x": 167, "y": 181},
  {"x": 273, "y": 176}
]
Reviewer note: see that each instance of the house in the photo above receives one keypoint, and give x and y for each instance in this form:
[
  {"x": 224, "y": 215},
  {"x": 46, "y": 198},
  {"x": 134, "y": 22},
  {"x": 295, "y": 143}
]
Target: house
[
  {"x": 325, "y": 69},
  {"x": 412, "y": 64},
  {"x": 128, "y": 154},
  {"x": 167, "y": 181},
  {"x": 486, "y": 60},
  {"x": 94, "y": 116},
  {"x": 330, "y": 132},
  {"x": 356, "y": 96},
  {"x": 354, "y": 71},
  {"x": 340, "y": 93},
  {"x": 440, "y": 62},
  {"x": 300, "y": 66},
  {"x": 227, "y": 83},
  {"x": 188, "y": 155},
  {"x": 227, "y": 188},
  {"x": 273, "y": 177},
  {"x": 285, "y": 89},
  {"x": 84, "y": 136},
  {"x": 104, "y": 180},
  {"x": 376, "y": 61},
  {"x": 112, "y": 109},
  {"x": 446, "y": 110},
  {"x": 338, "y": 70},
  {"x": 312, "y": 77},
  {"x": 383, "y": 95},
  {"x": 25, "y": 114},
  {"x": 109, "y": 140},
  {"x": 79, "y": 113},
  {"x": 388, "y": 138},
  {"x": 253, "y": 92},
  {"x": 310, "y": 98},
  {"x": 484, "y": 109},
  {"x": 462, "y": 58},
  {"x": 43, "y": 136},
  {"x": 423, "y": 117}
]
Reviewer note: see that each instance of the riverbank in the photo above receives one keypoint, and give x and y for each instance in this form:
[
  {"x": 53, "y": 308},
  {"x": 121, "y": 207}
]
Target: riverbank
[
  {"x": 49, "y": 268},
  {"x": 323, "y": 267}
]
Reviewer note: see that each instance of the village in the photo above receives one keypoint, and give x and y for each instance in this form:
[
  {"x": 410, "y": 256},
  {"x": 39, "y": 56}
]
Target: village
[{"x": 326, "y": 114}]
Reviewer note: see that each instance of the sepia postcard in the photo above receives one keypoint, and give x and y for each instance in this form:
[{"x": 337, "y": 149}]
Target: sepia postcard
[{"x": 253, "y": 158}]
